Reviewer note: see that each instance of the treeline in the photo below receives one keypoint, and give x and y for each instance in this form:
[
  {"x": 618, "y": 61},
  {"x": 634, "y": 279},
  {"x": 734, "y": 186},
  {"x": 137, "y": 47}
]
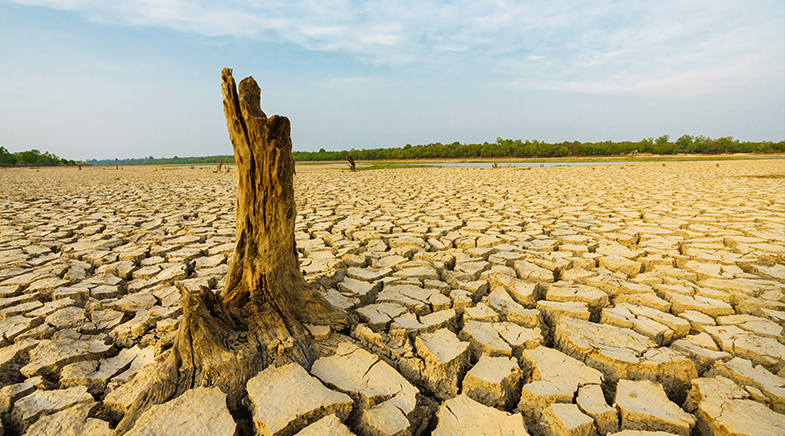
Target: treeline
[
  {"x": 31, "y": 157},
  {"x": 164, "y": 160},
  {"x": 516, "y": 148},
  {"x": 536, "y": 149}
]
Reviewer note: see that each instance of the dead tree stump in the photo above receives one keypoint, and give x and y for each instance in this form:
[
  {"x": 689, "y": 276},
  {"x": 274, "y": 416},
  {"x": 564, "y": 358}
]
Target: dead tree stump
[
  {"x": 224, "y": 340},
  {"x": 351, "y": 163}
]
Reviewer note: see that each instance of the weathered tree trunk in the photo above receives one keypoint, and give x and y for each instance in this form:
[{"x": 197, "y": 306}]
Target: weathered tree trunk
[
  {"x": 351, "y": 163},
  {"x": 224, "y": 340}
]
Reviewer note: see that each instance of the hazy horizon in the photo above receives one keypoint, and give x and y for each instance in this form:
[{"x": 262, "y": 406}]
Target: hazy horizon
[{"x": 89, "y": 79}]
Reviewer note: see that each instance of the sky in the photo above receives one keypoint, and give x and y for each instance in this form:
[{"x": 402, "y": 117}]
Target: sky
[{"x": 102, "y": 79}]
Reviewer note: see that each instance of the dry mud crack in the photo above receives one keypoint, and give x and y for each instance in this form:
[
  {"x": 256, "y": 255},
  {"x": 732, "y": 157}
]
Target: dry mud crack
[{"x": 547, "y": 301}]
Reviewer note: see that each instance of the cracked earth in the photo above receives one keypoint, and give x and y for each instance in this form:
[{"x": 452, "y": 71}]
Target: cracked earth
[{"x": 634, "y": 299}]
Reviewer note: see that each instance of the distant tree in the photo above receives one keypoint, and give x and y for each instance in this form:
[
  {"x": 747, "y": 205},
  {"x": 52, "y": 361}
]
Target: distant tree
[
  {"x": 702, "y": 140},
  {"x": 646, "y": 145},
  {"x": 685, "y": 140},
  {"x": 30, "y": 157}
]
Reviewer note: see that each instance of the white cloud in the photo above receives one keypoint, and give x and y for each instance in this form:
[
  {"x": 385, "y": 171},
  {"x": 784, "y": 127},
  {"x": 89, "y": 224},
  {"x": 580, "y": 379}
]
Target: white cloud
[
  {"x": 684, "y": 84},
  {"x": 601, "y": 46},
  {"x": 666, "y": 50}
]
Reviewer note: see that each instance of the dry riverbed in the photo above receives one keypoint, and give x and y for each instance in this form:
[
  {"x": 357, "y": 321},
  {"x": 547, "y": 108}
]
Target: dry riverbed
[{"x": 586, "y": 300}]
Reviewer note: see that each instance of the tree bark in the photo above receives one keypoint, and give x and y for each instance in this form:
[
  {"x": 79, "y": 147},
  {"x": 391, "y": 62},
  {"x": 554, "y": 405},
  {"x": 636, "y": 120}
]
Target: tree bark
[{"x": 224, "y": 340}]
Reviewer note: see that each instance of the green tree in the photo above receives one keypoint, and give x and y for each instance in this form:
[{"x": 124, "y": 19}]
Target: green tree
[{"x": 685, "y": 141}]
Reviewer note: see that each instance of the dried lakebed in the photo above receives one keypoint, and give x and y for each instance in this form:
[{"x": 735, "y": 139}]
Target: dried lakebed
[{"x": 584, "y": 300}]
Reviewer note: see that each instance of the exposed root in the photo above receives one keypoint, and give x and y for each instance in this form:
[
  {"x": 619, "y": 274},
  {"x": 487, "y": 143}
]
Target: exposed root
[{"x": 216, "y": 348}]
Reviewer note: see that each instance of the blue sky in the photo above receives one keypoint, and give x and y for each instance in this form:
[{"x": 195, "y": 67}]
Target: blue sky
[{"x": 106, "y": 78}]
